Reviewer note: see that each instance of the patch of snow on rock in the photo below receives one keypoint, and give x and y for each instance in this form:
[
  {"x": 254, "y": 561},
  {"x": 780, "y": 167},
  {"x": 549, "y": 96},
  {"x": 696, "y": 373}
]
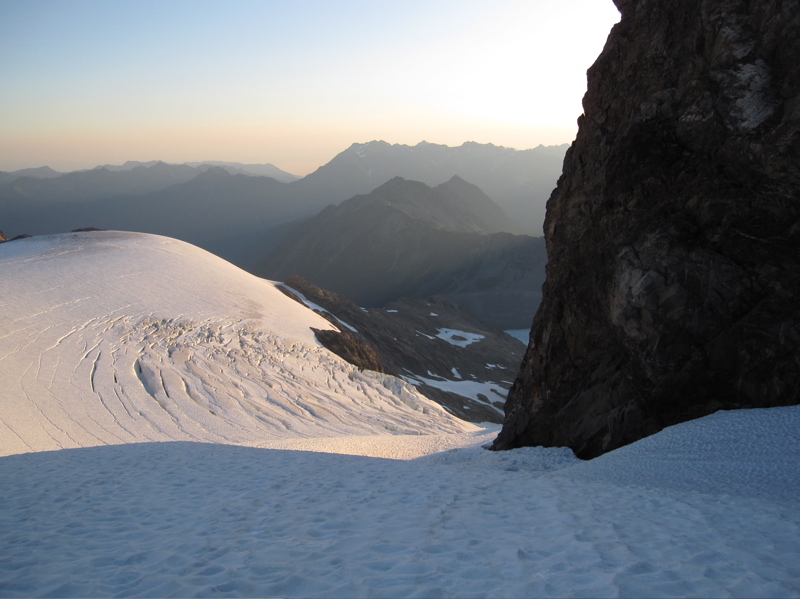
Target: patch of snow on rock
[
  {"x": 458, "y": 338},
  {"x": 316, "y": 307},
  {"x": 485, "y": 393}
]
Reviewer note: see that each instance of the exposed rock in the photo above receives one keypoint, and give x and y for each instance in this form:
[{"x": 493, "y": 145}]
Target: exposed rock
[
  {"x": 3, "y": 237},
  {"x": 674, "y": 233},
  {"x": 350, "y": 347},
  {"x": 447, "y": 353}
]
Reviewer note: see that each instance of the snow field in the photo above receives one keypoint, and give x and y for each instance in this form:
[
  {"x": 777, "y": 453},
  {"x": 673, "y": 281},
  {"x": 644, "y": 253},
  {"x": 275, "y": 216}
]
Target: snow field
[
  {"x": 197, "y": 519},
  {"x": 120, "y": 338}
]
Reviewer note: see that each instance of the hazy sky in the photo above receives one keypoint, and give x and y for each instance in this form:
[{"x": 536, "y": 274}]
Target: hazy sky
[{"x": 291, "y": 82}]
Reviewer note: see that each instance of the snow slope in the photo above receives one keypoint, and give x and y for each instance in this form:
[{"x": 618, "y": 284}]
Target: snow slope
[
  {"x": 212, "y": 520},
  {"x": 707, "y": 508},
  {"x": 110, "y": 337}
]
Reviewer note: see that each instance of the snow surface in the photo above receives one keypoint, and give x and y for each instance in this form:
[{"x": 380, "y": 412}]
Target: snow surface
[
  {"x": 197, "y": 519},
  {"x": 316, "y": 307},
  {"x": 326, "y": 500},
  {"x": 121, "y": 338},
  {"x": 472, "y": 389},
  {"x": 458, "y": 338}
]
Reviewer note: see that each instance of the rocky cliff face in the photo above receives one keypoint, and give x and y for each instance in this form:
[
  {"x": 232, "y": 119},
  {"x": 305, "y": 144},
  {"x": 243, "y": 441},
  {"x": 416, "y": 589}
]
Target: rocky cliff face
[{"x": 673, "y": 236}]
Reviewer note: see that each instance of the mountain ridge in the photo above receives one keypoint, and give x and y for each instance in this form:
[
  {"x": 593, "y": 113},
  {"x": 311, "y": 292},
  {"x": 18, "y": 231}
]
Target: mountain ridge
[
  {"x": 43, "y": 206},
  {"x": 519, "y": 180},
  {"x": 371, "y": 249}
]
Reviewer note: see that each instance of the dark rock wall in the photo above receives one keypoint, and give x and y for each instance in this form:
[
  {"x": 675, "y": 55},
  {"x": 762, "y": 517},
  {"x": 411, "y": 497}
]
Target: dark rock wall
[{"x": 673, "y": 236}]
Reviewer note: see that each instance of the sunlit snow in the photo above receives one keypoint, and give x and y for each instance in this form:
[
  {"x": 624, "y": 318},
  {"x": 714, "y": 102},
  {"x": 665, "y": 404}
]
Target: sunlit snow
[
  {"x": 120, "y": 338},
  {"x": 317, "y": 308}
]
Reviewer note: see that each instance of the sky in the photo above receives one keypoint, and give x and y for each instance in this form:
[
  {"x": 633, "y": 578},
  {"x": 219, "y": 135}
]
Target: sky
[{"x": 292, "y": 83}]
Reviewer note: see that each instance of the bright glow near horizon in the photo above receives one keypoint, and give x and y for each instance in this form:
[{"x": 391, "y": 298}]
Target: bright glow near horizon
[{"x": 94, "y": 82}]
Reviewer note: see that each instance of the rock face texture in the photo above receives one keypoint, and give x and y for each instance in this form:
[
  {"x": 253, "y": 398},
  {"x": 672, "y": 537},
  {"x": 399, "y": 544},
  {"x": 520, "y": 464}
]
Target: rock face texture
[{"x": 673, "y": 236}]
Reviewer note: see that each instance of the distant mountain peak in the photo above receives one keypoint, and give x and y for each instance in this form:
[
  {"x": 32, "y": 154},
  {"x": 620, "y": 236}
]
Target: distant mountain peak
[
  {"x": 375, "y": 143},
  {"x": 456, "y": 180},
  {"x": 400, "y": 190},
  {"x": 475, "y": 144},
  {"x": 214, "y": 172},
  {"x": 427, "y": 144}
]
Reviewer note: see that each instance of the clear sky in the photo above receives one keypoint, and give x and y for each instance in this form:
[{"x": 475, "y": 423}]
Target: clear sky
[{"x": 291, "y": 82}]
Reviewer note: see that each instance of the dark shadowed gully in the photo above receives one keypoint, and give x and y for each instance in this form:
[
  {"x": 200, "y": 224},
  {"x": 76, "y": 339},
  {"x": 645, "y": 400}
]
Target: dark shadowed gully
[{"x": 673, "y": 237}]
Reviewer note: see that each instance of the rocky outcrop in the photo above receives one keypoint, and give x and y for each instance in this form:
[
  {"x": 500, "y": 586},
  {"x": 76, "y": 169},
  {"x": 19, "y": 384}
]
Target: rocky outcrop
[
  {"x": 673, "y": 236},
  {"x": 350, "y": 347},
  {"x": 451, "y": 356},
  {"x": 3, "y": 237}
]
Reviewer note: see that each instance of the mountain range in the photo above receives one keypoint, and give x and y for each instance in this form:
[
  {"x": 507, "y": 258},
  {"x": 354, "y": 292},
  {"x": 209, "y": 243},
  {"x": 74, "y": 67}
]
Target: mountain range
[
  {"x": 406, "y": 239},
  {"x": 41, "y": 172},
  {"x": 520, "y": 181},
  {"x": 234, "y": 168},
  {"x": 241, "y": 217}
]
